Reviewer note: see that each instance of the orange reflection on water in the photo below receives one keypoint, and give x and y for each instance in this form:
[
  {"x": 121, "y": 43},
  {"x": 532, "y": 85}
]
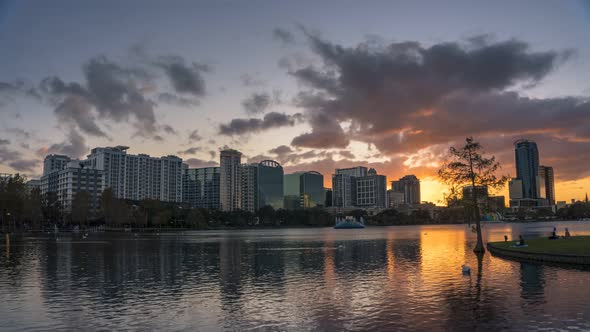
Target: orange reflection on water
[
  {"x": 390, "y": 258},
  {"x": 442, "y": 252}
]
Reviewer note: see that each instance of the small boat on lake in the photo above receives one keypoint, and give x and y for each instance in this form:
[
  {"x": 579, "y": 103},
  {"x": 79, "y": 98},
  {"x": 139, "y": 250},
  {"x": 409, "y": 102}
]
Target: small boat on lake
[{"x": 349, "y": 222}]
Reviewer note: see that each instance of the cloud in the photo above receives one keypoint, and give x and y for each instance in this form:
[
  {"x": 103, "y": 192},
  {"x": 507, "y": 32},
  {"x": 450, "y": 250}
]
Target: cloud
[
  {"x": 197, "y": 163},
  {"x": 192, "y": 150},
  {"x": 74, "y": 146},
  {"x": 403, "y": 97},
  {"x": 284, "y": 36},
  {"x": 77, "y": 110},
  {"x": 185, "y": 78},
  {"x": 254, "y": 125},
  {"x": 281, "y": 150},
  {"x": 249, "y": 80},
  {"x": 346, "y": 154},
  {"x": 194, "y": 136},
  {"x": 14, "y": 158},
  {"x": 169, "y": 130},
  {"x": 176, "y": 100},
  {"x": 257, "y": 103}
]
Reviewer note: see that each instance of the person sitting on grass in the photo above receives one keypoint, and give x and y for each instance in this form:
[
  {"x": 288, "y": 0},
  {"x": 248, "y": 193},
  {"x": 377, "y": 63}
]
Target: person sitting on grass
[
  {"x": 567, "y": 233},
  {"x": 521, "y": 242},
  {"x": 554, "y": 234}
]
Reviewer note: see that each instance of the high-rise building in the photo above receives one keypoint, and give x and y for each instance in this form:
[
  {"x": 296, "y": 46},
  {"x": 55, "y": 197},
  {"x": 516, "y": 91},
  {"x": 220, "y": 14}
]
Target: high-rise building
[
  {"x": 515, "y": 188},
  {"x": 328, "y": 201},
  {"x": 409, "y": 185},
  {"x": 343, "y": 190},
  {"x": 357, "y": 171},
  {"x": 270, "y": 184},
  {"x": 527, "y": 167},
  {"x": 371, "y": 190},
  {"x": 74, "y": 178},
  {"x": 303, "y": 190},
  {"x": 546, "y": 175},
  {"x": 201, "y": 187},
  {"x": 55, "y": 162},
  {"x": 138, "y": 177},
  {"x": 395, "y": 199},
  {"x": 480, "y": 191},
  {"x": 344, "y": 193},
  {"x": 249, "y": 187},
  {"x": 230, "y": 183}
]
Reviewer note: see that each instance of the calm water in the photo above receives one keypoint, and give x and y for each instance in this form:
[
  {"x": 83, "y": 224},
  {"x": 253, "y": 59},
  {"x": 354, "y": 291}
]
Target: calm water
[{"x": 377, "y": 279}]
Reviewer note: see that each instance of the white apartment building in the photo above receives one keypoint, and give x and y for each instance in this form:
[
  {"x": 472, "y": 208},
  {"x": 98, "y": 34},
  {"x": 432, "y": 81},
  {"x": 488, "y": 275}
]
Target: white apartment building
[
  {"x": 230, "y": 182},
  {"x": 138, "y": 177}
]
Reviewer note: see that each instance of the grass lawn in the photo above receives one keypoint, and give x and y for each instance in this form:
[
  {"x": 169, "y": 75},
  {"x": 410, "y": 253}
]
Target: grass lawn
[{"x": 577, "y": 245}]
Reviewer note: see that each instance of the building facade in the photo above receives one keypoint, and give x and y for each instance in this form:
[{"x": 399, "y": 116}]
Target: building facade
[
  {"x": 546, "y": 175},
  {"x": 138, "y": 177},
  {"x": 409, "y": 185},
  {"x": 55, "y": 162},
  {"x": 527, "y": 167},
  {"x": 303, "y": 190},
  {"x": 249, "y": 187},
  {"x": 73, "y": 179},
  {"x": 270, "y": 184},
  {"x": 371, "y": 190},
  {"x": 230, "y": 183},
  {"x": 201, "y": 188}
]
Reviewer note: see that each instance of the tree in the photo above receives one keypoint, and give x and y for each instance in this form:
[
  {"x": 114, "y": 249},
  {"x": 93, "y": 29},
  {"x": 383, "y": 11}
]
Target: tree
[
  {"x": 34, "y": 207},
  {"x": 51, "y": 207},
  {"x": 81, "y": 207},
  {"x": 467, "y": 167}
]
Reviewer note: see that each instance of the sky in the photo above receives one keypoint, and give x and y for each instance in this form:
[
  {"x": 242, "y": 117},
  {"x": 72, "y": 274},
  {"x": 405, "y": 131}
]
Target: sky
[{"x": 314, "y": 85}]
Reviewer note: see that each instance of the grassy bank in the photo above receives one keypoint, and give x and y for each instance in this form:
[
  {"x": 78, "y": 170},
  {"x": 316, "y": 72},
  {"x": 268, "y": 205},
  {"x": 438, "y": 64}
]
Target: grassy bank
[{"x": 577, "y": 245}]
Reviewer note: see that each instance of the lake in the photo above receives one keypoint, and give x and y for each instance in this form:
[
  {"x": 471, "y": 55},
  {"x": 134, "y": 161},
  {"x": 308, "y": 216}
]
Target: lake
[{"x": 374, "y": 279}]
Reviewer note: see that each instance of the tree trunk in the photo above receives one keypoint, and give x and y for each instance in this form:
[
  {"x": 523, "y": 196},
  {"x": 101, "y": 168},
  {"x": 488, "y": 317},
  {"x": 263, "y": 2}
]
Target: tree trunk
[{"x": 479, "y": 247}]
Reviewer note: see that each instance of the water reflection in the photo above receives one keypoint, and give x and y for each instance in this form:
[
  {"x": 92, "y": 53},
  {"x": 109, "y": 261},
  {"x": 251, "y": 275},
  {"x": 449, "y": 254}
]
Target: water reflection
[{"x": 392, "y": 278}]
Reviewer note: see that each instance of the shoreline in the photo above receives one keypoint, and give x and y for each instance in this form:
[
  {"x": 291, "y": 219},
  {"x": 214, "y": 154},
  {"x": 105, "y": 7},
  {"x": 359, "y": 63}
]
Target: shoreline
[{"x": 543, "y": 257}]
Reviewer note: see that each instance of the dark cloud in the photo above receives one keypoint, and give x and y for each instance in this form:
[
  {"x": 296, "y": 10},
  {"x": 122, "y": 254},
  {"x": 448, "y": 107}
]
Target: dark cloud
[
  {"x": 194, "y": 136},
  {"x": 282, "y": 35},
  {"x": 15, "y": 159},
  {"x": 197, "y": 163},
  {"x": 77, "y": 110},
  {"x": 176, "y": 100},
  {"x": 253, "y": 125},
  {"x": 192, "y": 150},
  {"x": 74, "y": 146},
  {"x": 169, "y": 130},
  {"x": 185, "y": 78},
  {"x": 212, "y": 153},
  {"x": 346, "y": 154},
  {"x": 257, "y": 103},
  {"x": 252, "y": 81},
  {"x": 405, "y": 97},
  {"x": 281, "y": 150}
]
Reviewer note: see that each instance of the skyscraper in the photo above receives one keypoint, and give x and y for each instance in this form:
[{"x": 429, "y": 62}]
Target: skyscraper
[
  {"x": 409, "y": 185},
  {"x": 55, "y": 162},
  {"x": 303, "y": 190},
  {"x": 527, "y": 167},
  {"x": 230, "y": 181},
  {"x": 270, "y": 184},
  {"x": 371, "y": 190},
  {"x": 249, "y": 187},
  {"x": 201, "y": 187},
  {"x": 546, "y": 175}
]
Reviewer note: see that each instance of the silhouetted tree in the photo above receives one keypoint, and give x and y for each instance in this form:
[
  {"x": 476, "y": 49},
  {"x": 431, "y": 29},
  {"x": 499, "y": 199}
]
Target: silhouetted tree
[
  {"x": 467, "y": 167},
  {"x": 33, "y": 207},
  {"x": 52, "y": 208},
  {"x": 81, "y": 208}
]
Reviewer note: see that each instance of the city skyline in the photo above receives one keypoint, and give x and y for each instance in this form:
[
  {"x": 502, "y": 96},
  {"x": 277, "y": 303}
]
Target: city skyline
[{"x": 281, "y": 88}]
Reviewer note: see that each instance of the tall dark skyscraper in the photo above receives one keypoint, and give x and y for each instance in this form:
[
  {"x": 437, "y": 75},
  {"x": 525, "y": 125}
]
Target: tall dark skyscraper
[
  {"x": 546, "y": 176},
  {"x": 527, "y": 167}
]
